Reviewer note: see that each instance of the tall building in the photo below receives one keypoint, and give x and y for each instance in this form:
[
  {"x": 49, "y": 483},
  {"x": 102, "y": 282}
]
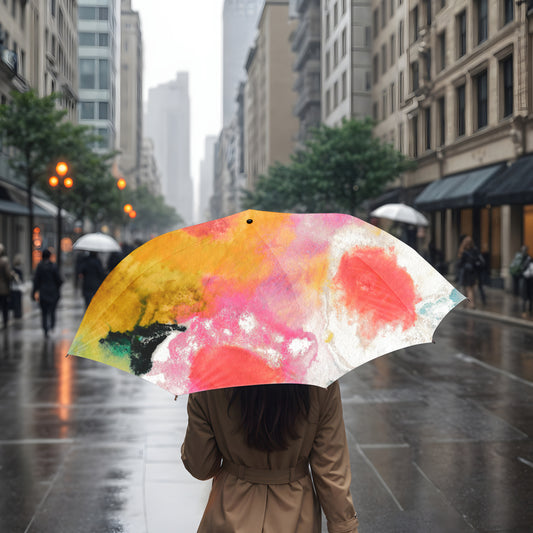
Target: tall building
[
  {"x": 305, "y": 41},
  {"x": 452, "y": 90},
  {"x": 270, "y": 127},
  {"x": 131, "y": 98},
  {"x": 239, "y": 26},
  {"x": 346, "y": 59},
  {"x": 207, "y": 176},
  {"x": 168, "y": 125},
  {"x": 149, "y": 173},
  {"x": 98, "y": 69}
]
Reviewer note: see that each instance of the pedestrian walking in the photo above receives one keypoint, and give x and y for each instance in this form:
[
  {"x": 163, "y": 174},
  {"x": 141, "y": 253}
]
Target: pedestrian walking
[
  {"x": 470, "y": 264},
  {"x": 526, "y": 287},
  {"x": 258, "y": 443},
  {"x": 517, "y": 267},
  {"x": 46, "y": 285},
  {"x": 17, "y": 287},
  {"x": 92, "y": 274},
  {"x": 5, "y": 281}
]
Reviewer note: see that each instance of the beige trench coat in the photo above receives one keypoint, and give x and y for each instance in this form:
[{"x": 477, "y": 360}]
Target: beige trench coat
[{"x": 239, "y": 506}]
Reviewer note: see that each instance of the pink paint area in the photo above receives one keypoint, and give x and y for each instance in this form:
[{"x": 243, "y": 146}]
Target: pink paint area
[
  {"x": 213, "y": 230},
  {"x": 377, "y": 289}
]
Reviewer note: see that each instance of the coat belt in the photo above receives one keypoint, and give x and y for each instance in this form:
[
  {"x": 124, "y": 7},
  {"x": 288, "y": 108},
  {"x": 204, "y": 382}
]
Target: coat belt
[{"x": 266, "y": 476}]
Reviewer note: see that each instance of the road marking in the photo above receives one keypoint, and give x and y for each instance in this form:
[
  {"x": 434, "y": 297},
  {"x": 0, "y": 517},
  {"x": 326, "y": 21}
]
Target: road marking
[{"x": 469, "y": 359}]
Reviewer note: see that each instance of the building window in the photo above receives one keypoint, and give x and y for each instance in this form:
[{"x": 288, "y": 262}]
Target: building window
[
  {"x": 414, "y": 76},
  {"x": 328, "y": 102},
  {"x": 343, "y": 43},
  {"x": 367, "y": 81},
  {"x": 427, "y": 5},
  {"x": 335, "y": 15},
  {"x": 441, "y": 43},
  {"x": 414, "y": 24},
  {"x": 375, "y": 110},
  {"x": 414, "y": 136},
  {"x": 328, "y": 64},
  {"x": 86, "y": 110},
  {"x": 328, "y": 22},
  {"x": 52, "y": 7},
  {"x": 103, "y": 142},
  {"x": 368, "y": 36},
  {"x": 427, "y": 123},
  {"x": 87, "y": 39},
  {"x": 400, "y": 37},
  {"x": 506, "y": 69},
  {"x": 375, "y": 66},
  {"x": 103, "y": 13},
  {"x": 384, "y": 104},
  {"x": 482, "y": 20},
  {"x": 87, "y": 74},
  {"x": 86, "y": 13},
  {"x": 392, "y": 49},
  {"x": 103, "y": 74},
  {"x": 344, "y": 86},
  {"x": 343, "y": 6},
  {"x": 392, "y": 97},
  {"x": 103, "y": 110},
  {"x": 335, "y": 54},
  {"x": 400, "y": 137},
  {"x": 375, "y": 22},
  {"x": 460, "y": 24},
  {"x": 383, "y": 58},
  {"x": 480, "y": 82},
  {"x": 335, "y": 95},
  {"x": 400, "y": 86},
  {"x": 392, "y": 7},
  {"x": 508, "y": 11},
  {"x": 383, "y": 13},
  {"x": 441, "y": 106},
  {"x": 103, "y": 39},
  {"x": 460, "y": 97}
]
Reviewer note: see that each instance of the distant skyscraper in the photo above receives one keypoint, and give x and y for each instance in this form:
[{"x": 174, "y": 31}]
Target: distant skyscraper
[
  {"x": 131, "y": 86},
  {"x": 168, "y": 125},
  {"x": 239, "y": 28},
  {"x": 98, "y": 66}
]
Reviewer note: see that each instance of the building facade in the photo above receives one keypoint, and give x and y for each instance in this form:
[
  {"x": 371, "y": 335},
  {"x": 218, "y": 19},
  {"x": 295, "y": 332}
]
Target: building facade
[
  {"x": 168, "y": 125},
  {"x": 131, "y": 97},
  {"x": 305, "y": 42},
  {"x": 453, "y": 91},
  {"x": 346, "y": 60},
  {"x": 99, "y": 40},
  {"x": 270, "y": 127},
  {"x": 239, "y": 26},
  {"x": 149, "y": 173}
]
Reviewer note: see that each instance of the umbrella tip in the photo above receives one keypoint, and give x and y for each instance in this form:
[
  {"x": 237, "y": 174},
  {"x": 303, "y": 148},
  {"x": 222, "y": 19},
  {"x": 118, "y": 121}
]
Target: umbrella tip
[
  {"x": 249, "y": 221},
  {"x": 175, "y": 397}
]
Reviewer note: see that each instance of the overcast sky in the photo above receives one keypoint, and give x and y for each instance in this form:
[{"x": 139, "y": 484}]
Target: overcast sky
[{"x": 186, "y": 35}]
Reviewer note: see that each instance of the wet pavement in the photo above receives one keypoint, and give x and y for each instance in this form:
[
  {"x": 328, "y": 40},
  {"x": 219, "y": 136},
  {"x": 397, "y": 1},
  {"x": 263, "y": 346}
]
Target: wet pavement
[{"x": 440, "y": 436}]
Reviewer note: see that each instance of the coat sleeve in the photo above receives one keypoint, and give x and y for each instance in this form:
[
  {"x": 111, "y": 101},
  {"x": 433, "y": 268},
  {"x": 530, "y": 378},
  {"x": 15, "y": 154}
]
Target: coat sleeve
[
  {"x": 330, "y": 464},
  {"x": 199, "y": 452}
]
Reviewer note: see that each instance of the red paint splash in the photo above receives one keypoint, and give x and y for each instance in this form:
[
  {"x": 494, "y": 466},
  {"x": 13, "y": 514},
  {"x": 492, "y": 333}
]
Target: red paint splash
[
  {"x": 219, "y": 367},
  {"x": 214, "y": 229},
  {"x": 379, "y": 291}
]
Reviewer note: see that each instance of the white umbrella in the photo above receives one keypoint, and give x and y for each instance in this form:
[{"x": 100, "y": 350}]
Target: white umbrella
[
  {"x": 97, "y": 242},
  {"x": 401, "y": 213}
]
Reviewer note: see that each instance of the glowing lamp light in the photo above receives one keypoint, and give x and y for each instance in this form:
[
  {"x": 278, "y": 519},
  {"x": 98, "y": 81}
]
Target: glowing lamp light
[
  {"x": 68, "y": 182},
  {"x": 128, "y": 208},
  {"x": 61, "y": 168},
  {"x": 121, "y": 183},
  {"x": 53, "y": 181},
  {"x": 132, "y": 213}
]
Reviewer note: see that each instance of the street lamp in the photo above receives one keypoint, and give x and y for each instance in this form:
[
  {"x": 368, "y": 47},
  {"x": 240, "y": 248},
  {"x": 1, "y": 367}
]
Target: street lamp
[
  {"x": 56, "y": 182},
  {"x": 121, "y": 184}
]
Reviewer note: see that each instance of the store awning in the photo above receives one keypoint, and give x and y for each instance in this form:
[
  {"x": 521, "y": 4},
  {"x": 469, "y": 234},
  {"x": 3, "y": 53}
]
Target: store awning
[
  {"x": 13, "y": 202},
  {"x": 468, "y": 189},
  {"x": 515, "y": 184}
]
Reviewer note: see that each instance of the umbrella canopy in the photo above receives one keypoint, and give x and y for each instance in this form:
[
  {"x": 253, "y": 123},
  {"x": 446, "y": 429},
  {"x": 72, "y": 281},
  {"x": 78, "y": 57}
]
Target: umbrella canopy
[
  {"x": 262, "y": 297},
  {"x": 97, "y": 242},
  {"x": 401, "y": 213}
]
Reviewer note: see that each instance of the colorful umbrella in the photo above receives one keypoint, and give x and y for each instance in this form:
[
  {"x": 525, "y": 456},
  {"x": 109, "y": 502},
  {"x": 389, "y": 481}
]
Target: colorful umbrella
[{"x": 262, "y": 297}]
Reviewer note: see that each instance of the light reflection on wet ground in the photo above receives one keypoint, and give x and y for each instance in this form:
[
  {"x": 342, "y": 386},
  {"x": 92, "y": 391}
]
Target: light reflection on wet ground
[{"x": 440, "y": 437}]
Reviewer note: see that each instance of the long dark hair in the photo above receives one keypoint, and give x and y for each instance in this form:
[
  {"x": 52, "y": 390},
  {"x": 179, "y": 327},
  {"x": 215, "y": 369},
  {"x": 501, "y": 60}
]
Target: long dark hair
[{"x": 269, "y": 412}]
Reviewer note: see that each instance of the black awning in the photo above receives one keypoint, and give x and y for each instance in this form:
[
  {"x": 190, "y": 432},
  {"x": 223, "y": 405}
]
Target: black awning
[
  {"x": 515, "y": 185},
  {"x": 467, "y": 189},
  {"x": 391, "y": 196},
  {"x": 13, "y": 201}
]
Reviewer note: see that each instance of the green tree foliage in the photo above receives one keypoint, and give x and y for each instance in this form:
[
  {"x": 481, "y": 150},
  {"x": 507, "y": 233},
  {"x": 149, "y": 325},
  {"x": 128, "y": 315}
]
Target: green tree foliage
[
  {"x": 30, "y": 127},
  {"x": 337, "y": 170}
]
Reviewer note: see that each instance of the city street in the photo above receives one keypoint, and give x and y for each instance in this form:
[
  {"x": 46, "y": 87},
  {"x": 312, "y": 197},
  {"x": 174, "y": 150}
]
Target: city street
[{"x": 441, "y": 436}]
